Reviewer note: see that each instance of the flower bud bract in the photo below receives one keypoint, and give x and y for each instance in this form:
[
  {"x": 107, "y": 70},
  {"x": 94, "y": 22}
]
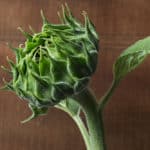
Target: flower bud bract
[{"x": 55, "y": 63}]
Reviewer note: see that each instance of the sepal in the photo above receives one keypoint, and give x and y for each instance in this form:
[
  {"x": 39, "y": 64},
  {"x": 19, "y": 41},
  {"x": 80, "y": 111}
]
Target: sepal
[{"x": 36, "y": 111}]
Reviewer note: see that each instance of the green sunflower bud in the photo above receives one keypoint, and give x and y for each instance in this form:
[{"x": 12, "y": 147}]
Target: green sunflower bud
[{"x": 55, "y": 63}]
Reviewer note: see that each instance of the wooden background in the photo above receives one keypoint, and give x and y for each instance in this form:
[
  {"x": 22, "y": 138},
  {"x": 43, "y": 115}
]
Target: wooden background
[{"x": 127, "y": 117}]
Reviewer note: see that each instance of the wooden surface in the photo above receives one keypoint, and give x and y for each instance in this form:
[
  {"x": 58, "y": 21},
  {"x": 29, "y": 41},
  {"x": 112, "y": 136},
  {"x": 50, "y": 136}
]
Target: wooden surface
[{"x": 126, "y": 118}]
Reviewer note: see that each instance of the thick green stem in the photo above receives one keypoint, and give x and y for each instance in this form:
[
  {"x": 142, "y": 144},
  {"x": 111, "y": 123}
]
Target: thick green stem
[
  {"x": 83, "y": 131},
  {"x": 94, "y": 121},
  {"x": 79, "y": 123}
]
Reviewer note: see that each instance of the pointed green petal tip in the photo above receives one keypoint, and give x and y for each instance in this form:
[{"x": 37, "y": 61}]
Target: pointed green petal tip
[
  {"x": 31, "y": 29},
  {"x": 60, "y": 17},
  {"x": 4, "y": 87},
  {"x": 11, "y": 47},
  {"x": 28, "y": 119},
  {"x": 26, "y": 34},
  {"x": 11, "y": 63},
  {"x": 31, "y": 117},
  {"x": 68, "y": 10},
  {"x": 35, "y": 113},
  {"x": 7, "y": 85},
  {"x": 6, "y": 69},
  {"x": 45, "y": 21}
]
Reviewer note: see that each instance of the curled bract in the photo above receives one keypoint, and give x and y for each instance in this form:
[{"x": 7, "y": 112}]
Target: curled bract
[{"x": 55, "y": 63}]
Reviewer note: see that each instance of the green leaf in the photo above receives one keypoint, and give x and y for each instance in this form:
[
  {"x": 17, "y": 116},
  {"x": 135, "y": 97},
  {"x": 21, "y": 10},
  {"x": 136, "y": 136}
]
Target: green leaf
[{"x": 131, "y": 58}]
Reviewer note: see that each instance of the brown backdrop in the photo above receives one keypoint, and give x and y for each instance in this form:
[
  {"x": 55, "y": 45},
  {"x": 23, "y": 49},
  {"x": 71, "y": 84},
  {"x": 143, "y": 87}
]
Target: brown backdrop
[{"x": 127, "y": 117}]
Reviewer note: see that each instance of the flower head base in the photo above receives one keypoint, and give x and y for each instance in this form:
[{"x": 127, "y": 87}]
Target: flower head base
[{"x": 56, "y": 63}]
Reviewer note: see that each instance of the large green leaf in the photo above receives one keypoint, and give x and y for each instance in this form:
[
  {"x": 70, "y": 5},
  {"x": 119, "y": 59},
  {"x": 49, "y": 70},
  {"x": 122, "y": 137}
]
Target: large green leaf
[{"x": 131, "y": 58}]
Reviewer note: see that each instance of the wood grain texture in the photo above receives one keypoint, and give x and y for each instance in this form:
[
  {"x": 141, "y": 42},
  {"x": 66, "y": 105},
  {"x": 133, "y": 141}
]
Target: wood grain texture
[{"x": 127, "y": 116}]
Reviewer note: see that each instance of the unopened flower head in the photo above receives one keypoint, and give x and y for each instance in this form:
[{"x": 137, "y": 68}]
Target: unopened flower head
[{"x": 55, "y": 63}]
